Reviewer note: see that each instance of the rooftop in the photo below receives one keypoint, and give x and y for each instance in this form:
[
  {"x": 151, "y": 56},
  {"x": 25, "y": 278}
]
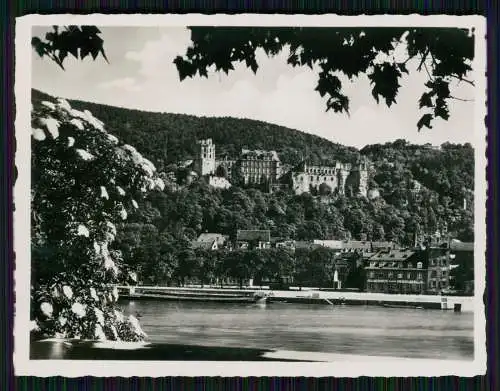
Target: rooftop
[
  {"x": 202, "y": 245},
  {"x": 393, "y": 255},
  {"x": 210, "y": 237},
  {"x": 461, "y": 246},
  {"x": 253, "y": 235}
]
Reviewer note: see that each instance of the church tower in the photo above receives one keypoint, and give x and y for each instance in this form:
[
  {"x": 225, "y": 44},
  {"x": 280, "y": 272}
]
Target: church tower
[{"x": 204, "y": 163}]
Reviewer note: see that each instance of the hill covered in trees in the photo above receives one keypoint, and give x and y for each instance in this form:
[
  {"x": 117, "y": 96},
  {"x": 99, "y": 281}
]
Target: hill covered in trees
[
  {"x": 167, "y": 138},
  {"x": 413, "y": 189}
]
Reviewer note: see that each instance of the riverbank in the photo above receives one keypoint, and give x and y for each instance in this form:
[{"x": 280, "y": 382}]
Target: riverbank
[{"x": 309, "y": 296}]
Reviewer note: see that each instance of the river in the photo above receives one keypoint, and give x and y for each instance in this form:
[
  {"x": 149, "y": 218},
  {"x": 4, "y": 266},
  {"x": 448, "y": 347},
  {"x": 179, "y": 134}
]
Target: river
[{"x": 356, "y": 330}]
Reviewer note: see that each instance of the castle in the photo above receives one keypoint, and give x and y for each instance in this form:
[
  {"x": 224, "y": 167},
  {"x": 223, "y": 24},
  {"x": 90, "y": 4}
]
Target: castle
[{"x": 255, "y": 167}]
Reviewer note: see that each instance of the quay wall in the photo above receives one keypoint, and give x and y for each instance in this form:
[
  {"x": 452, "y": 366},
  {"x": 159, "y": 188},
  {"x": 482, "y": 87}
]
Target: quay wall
[{"x": 334, "y": 297}]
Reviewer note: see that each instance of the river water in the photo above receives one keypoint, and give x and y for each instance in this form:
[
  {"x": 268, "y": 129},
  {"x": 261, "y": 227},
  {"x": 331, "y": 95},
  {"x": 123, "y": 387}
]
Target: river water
[{"x": 358, "y": 330}]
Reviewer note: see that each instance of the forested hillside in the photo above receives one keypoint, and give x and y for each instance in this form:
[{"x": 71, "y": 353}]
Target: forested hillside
[
  {"x": 413, "y": 189},
  {"x": 167, "y": 138}
]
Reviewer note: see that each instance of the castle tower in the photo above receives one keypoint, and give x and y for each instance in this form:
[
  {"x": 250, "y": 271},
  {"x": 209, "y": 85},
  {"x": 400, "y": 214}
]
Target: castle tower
[{"x": 204, "y": 163}]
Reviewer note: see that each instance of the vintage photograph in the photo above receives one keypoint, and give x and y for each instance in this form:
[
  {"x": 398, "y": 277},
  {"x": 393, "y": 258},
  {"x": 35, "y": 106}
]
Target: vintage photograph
[{"x": 221, "y": 190}]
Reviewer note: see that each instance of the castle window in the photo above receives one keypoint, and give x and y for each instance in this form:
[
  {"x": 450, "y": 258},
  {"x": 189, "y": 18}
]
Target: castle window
[
  {"x": 331, "y": 179},
  {"x": 312, "y": 178}
]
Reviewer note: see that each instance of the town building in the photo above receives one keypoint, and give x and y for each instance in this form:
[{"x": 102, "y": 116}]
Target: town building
[
  {"x": 210, "y": 241},
  {"x": 257, "y": 167},
  {"x": 339, "y": 178},
  {"x": 253, "y": 239},
  {"x": 396, "y": 271},
  {"x": 409, "y": 271},
  {"x": 462, "y": 259},
  {"x": 261, "y": 167}
]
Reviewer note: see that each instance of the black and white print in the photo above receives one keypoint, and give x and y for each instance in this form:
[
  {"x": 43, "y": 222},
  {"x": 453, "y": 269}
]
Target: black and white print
[{"x": 196, "y": 191}]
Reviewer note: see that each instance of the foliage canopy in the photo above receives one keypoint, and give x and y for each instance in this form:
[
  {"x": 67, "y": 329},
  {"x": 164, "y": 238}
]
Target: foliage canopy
[{"x": 444, "y": 53}]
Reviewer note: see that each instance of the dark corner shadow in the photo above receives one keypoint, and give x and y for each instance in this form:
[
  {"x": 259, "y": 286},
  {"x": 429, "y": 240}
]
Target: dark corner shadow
[{"x": 85, "y": 350}]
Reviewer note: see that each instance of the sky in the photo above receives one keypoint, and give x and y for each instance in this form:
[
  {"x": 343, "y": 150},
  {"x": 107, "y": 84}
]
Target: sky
[{"x": 141, "y": 75}]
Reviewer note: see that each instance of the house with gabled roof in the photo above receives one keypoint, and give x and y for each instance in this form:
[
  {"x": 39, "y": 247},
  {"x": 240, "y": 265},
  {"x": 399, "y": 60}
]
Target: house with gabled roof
[{"x": 210, "y": 241}]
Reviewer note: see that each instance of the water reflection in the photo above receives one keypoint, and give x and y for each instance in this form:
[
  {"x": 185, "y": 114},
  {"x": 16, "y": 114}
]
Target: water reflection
[{"x": 314, "y": 328}]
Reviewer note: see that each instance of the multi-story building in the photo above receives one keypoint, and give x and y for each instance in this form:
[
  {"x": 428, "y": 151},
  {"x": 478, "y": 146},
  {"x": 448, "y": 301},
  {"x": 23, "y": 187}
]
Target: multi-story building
[
  {"x": 338, "y": 178},
  {"x": 400, "y": 271},
  {"x": 204, "y": 162},
  {"x": 406, "y": 271},
  {"x": 257, "y": 167}
]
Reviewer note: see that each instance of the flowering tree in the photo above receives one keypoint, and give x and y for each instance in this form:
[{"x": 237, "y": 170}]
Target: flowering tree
[{"x": 83, "y": 182}]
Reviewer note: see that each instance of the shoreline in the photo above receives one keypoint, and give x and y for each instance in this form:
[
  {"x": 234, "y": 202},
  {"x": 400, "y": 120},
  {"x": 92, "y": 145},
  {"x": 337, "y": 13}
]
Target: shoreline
[{"x": 308, "y": 296}]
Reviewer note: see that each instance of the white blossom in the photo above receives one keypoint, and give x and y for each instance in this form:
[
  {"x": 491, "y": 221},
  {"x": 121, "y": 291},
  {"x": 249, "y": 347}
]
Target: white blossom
[
  {"x": 129, "y": 148},
  {"x": 84, "y": 154},
  {"x": 111, "y": 226},
  {"x": 83, "y": 231},
  {"x": 38, "y": 134},
  {"x": 97, "y": 248},
  {"x": 78, "y": 309},
  {"x": 64, "y": 104},
  {"x": 52, "y": 126},
  {"x": 77, "y": 123},
  {"x": 104, "y": 249},
  {"x": 112, "y": 138},
  {"x": 77, "y": 113},
  {"x": 120, "y": 190},
  {"x": 115, "y": 293},
  {"x": 93, "y": 294},
  {"x": 62, "y": 321},
  {"x": 68, "y": 292},
  {"x": 148, "y": 170},
  {"x": 34, "y": 326},
  {"x": 47, "y": 309},
  {"x": 133, "y": 276},
  {"x": 92, "y": 120},
  {"x": 50, "y": 105},
  {"x": 99, "y": 333},
  {"x": 132, "y": 320},
  {"x": 109, "y": 264},
  {"x": 134, "y": 203},
  {"x": 99, "y": 315},
  {"x": 118, "y": 316},
  {"x": 148, "y": 163},
  {"x": 115, "y": 333},
  {"x": 123, "y": 214},
  {"x": 104, "y": 193},
  {"x": 151, "y": 184},
  {"x": 160, "y": 184},
  {"x": 71, "y": 141}
]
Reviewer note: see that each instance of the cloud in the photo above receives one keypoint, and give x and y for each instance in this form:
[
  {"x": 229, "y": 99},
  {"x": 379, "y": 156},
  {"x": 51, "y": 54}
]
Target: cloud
[
  {"x": 156, "y": 57},
  {"x": 126, "y": 83},
  {"x": 146, "y": 79}
]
